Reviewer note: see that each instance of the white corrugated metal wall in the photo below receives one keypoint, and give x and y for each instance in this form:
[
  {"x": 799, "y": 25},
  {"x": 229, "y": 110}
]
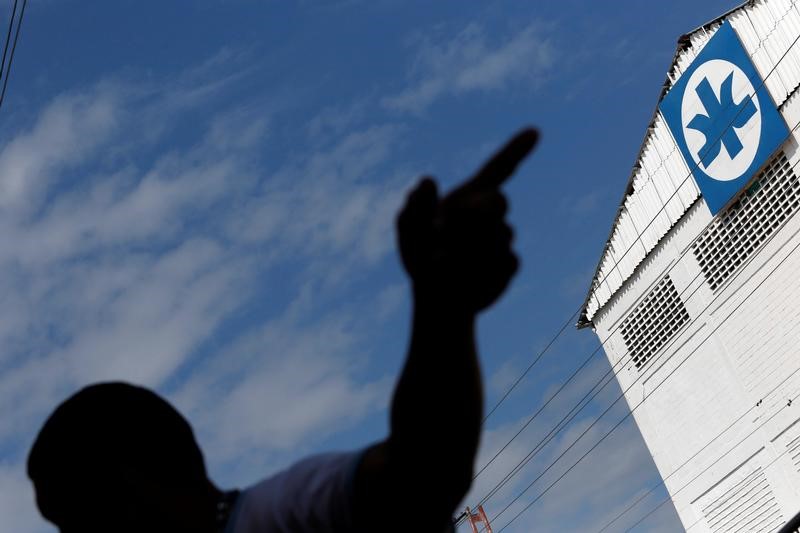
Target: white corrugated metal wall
[{"x": 662, "y": 190}]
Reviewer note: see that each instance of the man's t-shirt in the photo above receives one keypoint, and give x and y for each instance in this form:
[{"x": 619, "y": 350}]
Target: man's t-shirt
[{"x": 314, "y": 495}]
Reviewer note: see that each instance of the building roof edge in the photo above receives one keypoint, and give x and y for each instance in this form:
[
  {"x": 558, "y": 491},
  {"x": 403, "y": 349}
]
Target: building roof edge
[{"x": 682, "y": 42}]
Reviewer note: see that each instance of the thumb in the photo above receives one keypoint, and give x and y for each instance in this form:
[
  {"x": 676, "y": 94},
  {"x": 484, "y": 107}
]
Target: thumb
[
  {"x": 421, "y": 205},
  {"x": 415, "y": 224}
]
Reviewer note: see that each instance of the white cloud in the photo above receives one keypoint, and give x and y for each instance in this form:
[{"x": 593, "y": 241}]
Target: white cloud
[
  {"x": 16, "y": 496},
  {"x": 601, "y": 486},
  {"x": 336, "y": 120},
  {"x": 502, "y": 380},
  {"x": 125, "y": 254},
  {"x": 333, "y": 207},
  {"x": 70, "y": 129},
  {"x": 598, "y": 488},
  {"x": 472, "y": 61},
  {"x": 105, "y": 278},
  {"x": 390, "y": 299},
  {"x": 280, "y": 389}
]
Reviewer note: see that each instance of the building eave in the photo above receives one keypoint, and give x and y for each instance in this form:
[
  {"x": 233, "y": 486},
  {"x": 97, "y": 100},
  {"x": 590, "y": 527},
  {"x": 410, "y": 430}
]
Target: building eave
[{"x": 682, "y": 43}]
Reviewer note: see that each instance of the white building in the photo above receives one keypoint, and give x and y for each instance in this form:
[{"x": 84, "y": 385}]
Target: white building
[{"x": 700, "y": 313}]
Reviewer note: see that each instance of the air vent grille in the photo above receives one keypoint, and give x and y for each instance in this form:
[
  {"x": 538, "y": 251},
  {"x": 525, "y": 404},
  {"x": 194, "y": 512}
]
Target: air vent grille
[
  {"x": 654, "y": 321},
  {"x": 734, "y": 236},
  {"x": 749, "y": 505},
  {"x": 794, "y": 452}
]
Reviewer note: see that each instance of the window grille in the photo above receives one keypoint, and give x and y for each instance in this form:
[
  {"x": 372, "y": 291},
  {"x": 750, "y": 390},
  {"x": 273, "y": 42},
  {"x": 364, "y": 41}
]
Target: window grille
[
  {"x": 749, "y": 505},
  {"x": 748, "y": 222},
  {"x": 654, "y": 321}
]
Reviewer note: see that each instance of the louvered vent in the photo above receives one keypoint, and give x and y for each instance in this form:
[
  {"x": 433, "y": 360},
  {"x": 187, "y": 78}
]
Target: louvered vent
[
  {"x": 654, "y": 321},
  {"x": 794, "y": 452},
  {"x": 749, "y": 505},
  {"x": 733, "y": 237}
]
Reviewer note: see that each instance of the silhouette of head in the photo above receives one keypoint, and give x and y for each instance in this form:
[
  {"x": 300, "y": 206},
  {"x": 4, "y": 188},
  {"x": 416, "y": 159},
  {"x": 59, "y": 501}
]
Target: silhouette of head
[{"x": 116, "y": 457}]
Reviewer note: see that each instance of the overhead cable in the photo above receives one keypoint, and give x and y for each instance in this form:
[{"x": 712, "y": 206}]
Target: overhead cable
[
  {"x": 672, "y": 372},
  {"x": 8, "y": 36},
  {"x": 660, "y": 277},
  {"x": 735, "y": 492},
  {"x": 602, "y": 382},
  {"x": 13, "y": 49},
  {"x": 698, "y": 452},
  {"x": 625, "y": 253}
]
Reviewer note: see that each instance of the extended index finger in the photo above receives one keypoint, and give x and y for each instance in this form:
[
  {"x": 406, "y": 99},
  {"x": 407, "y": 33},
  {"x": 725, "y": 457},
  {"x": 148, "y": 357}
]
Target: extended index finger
[{"x": 503, "y": 164}]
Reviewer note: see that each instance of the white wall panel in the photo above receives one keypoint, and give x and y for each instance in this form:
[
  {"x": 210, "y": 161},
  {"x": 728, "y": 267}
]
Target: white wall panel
[
  {"x": 662, "y": 188},
  {"x": 647, "y": 214},
  {"x": 716, "y": 414},
  {"x": 716, "y": 406}
]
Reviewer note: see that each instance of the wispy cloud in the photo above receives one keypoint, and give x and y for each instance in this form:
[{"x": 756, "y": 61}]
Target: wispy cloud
[
  {"x": 128, "y": 254},
  {"x": 598, "y": 488},
  {"x": 71, "y": 128},
  {"x": 16, "y": 500},
  {"x": 278, "y": 390},
  {"x": 473, "y": 60}
]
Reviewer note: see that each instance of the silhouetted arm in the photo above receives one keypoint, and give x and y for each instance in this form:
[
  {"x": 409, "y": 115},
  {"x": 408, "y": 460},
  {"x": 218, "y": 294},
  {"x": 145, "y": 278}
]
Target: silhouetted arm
[{"x": 457, "y": 252}]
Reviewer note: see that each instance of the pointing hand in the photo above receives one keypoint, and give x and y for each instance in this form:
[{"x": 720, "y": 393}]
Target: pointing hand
[{"x": 458, "y": 248}]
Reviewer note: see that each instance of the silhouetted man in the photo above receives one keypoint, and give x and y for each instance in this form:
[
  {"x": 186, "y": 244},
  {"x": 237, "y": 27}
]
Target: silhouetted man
[{"x": 118, "y": 458}]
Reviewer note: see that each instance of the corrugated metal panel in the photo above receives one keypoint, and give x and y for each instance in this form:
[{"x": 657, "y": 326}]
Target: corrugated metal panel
[
  {"x": 696, "y": 42},
  {"x": 644, "y": 220},
  {"x": 767, "y": 30},
  {"x": 659, "y": 191}
]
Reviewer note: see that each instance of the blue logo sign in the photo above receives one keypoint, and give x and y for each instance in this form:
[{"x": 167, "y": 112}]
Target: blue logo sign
[{"x": 723, "y": 118}]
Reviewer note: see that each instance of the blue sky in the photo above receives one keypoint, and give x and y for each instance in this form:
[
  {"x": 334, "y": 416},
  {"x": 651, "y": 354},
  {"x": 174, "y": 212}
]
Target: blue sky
[{"x": 199, "y": 197}]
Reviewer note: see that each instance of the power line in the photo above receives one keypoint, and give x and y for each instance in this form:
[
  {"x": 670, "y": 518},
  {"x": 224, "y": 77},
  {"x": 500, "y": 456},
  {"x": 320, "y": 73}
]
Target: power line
[
  {"x": 576, "y": 409},
  {"x": 580, "y": 405},
  {"x": 747, "y": 296},
  {"x": 573, "y": 412},
  {"x": 557, "y": 429},
  {"x": 697, "y": 164},
  {"x": 525, "y": 373},
  {"x": 583, "y": 402},
  {"x": 536, "y": 414},
  {"x": 701, "y": 450},
  {"x": 8, "y": 36},
  {"x": 537, "y": 448},
  {"x": 669, "y": 375},
  {"x": 614, "y": 330},
  {"x": 741, "y": 441},
  {"x": 616, "y": 262},
  {"x": 580, "y": 368},
  {"x": 13, "y": 49}
]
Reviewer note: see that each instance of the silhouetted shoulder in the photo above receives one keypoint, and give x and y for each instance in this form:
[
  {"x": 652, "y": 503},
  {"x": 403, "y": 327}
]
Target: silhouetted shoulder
[{"x": 313, "y": 495}]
